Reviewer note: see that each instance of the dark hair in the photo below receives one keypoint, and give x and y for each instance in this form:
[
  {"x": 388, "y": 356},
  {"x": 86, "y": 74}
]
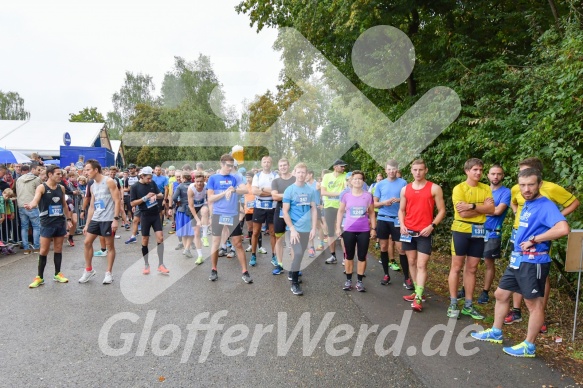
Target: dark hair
[
  {"x": 533, "y": 162},
  {"x": 227, "y": 158},
  {"x": 51, "y": 169},
  {"x": 34, "y": 165},
  {"x": 527, "y": 172},
  {"x": 24, "y": 168},
  {"x": 470, "y": 163},
  {"x": 496, "y": 165},
  {"x": 358, "y": 172},
  {"x": 94, "y": 164}
]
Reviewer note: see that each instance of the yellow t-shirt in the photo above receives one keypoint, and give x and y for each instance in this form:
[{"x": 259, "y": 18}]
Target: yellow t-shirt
[
  {"x": 171, "y": 180},
  {"x": 333, "y": 185},
  {"x": 469, "y": 194},
  {"x": 552, "y": 191}
]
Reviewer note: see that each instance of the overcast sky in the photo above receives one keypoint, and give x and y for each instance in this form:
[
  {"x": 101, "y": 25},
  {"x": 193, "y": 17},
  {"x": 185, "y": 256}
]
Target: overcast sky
[{"x": 62, "y": 56}]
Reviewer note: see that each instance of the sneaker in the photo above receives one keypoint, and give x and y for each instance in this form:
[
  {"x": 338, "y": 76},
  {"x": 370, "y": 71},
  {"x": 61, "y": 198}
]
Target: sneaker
[
  {"x": 408, "y": 284},
  {"x": 263, "y": 229},
  {"x": 187, "y": 253},
  {"x": 472, "y": 312},
  {"x": 360, "y": 287},
  {"x": 27, "y": 251},
  {"x": 163, "y": 270},
  {"x": 325, "y": 240},
  {"x": 274, "y": 261},
  {"x": 311, "y": 252},
  {"x": 416, "y": 305},
  {"x": 289, "y": 277},
  {"x": 205, "y": 241},
  {"x": 146, "y": 270},
  {"x": 513, "y": 316},
  {"x": 71, "y": 242},
  {"x": 214, "y": 276},
  {"x": 199, "y": 261},
  {"x": 331, "y": 260},
  {"x": 179, "y": 247},
  {"x": 253, "y": 261},
  {"x": 320, "y": 247},
  {"x": 60, "y": 278},
  {"x": 36, "y": 282},
  {"x": 86, "y": 276},
  {"x": 36, "y": 250},
  {"x": 127, "y": 226},
  {"x": 278, "y": 270},
  {"x": 544, "y": 329},
  {"x": 453, "y": 311},
  {"x": 108, "y": 279},
  {"x": 117, "y": 236},
  {"x": 296, "y": 289},
  {"x": 377, "y": 245},
  {"x": 231, "y": 254},
  {"x": 386, "y": 280},
  {"x": 347, "y": 285},
  {"x": 483, "y": 298},
  {"x": 411, "y": 298},
  {"x": 262, "y": 251},
  {"x": 100, "y": 253},
  {"x": 131, "y": 240},
  {"x": 248, "y": 249},
  {"x": 488, "y": 335},
  {"x": 222, "y": 252},
  {"x": 520, "y": 350},
  {"x": 247, "y": 278},
  {"x": 394, "y": 266},
  {"x": 461, "y": 294}
]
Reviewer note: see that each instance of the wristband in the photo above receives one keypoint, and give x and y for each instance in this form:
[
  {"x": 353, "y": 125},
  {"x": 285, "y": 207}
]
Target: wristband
[
  {"x": 145, "y": 199},
  {"x": 434, "y": 226}
]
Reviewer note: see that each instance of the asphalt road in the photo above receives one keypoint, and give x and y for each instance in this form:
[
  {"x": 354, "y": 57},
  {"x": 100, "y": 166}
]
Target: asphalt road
[{"x": 183, "y": 330}]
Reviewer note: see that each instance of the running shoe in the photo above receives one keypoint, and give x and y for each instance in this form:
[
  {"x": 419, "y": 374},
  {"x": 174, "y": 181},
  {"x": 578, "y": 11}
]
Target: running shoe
[
  {"x": 248, "y": 249},
  {"x": 331, "y": 260},
  {"x": 222, "y": 252},
  {"x": 394, "y": 266},
  {"x": 71, "y": 242},
  {"x": 36, "y": 282},
  {"x": 483, "y": 298},
  {"x": 360, "y": 287},
  {"x": 411, "y": 298},
  {"x": 513, "y": 316},
  {"x": 131, "y": 240},
  {"x": 296, "y": 289},
  {"x": 453, "y": 311},
  {"x": 343, "y": 261},
  {"x": 274, "y": 261},
  {"x": 472, "y": 312},
  {"x": 199, "y": 261},
  {"x": 488, "y": 335},
  {"x": 320, "y": 247},
  {"x": 262, "y": 250},
  {"x": 163, "y": 270},
  {"x": 386, "y": 280},
  {"x": 86, "y": 276},
  {"x": 520, "y": 350},
  {"x": 278, "y": 270},
  {"x": 205, "y": 241},
  {"x": 117, "y": 236},
  {"x": 325, "y": 239},
  {"x": 108, "y": 279},
  {"x": 263, "y": 228},
  {"x": 377, "y": 245},
  {"x": 408, "y": 284},
  {"x": 289, "y": 277},
  {"x": 214, "y": 276},
  {"x": 461, "y": 293},
  {"x": 100, "y": 253},
  {"x": 247, "y": 278},
  {"x": 416, "y": 305},
  {"x": 231, "y": 254},
  {"x": 347, "y": 285},
  {"x": 179, "y": 247},
  {"x": 172, "y": 231},
  {"x": 127, "y": 226},
  {"x": 146, "y": 270},
  {"x": 253, "y": 261},
  {"x": 60, "y": 278},
  {"x": 187, "y": 253},
  {"x": 544, "y": 329},
  {"x": 27, "y": 251},
  {"x": 311, "y": 252}
]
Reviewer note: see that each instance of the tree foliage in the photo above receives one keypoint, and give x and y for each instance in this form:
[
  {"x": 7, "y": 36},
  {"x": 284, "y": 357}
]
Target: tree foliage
[
  {"x": 87, "y": 115},
  {"x": 12, "y": 107}
]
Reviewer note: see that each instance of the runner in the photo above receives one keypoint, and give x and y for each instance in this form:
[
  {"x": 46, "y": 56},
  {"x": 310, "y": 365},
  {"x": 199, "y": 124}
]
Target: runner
[
  {"x": 540, "y": 223},
  {"x": 101, "y": 219},
  {"x": 359, "y": 228},
  {"x": 129, "y": 181},
  {"x": 183, "y": 214},
  {"x": 300, "y": 215},
  {"x": 55, "y": 217},
  {"x": 332, "y": 185},
  {"x": 113, "y": 175},
  {"x": 386, "y": 198},
  {"x": 197, "y": 204},
  {"x": 316, "y": 187},
  {"x": 223, "y": 190},
  {"x": 472, "y": 200},
  {"x": 418, "y": 201},
  {"x": 162, "y": 182},
  {"x": 278, "y": 186},
  {"x": 145, "y": 195}
]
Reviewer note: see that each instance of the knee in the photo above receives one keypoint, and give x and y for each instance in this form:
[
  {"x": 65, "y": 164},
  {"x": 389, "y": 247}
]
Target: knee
[
  {"x": 88, "y": 245},
  {"x": 501, "y": 295}
]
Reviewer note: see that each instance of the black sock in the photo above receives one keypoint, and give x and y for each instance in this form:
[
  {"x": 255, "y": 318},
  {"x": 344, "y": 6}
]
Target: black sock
[
  {"x": 404, "y": 265},
  {"x": 58, "y": 260},
  {"x": 160, "y": 249},
  {"x": 348, "y": 276},
  {"x": 42, "y": 262},
  {"x": 359, "y": 277},
  {"x": 145, "y": 254},
  {"x": 260, "y": 240},
  {"x": 515, "y": 309},
  {"x": 295, "y": 277},
  {"x": 103, "y": 249},
  {"x": 385, "y": 262},
  {"x": 486, "y": 291}
]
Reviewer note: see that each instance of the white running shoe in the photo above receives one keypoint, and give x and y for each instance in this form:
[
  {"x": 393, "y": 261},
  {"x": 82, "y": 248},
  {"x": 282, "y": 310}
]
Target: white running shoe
[
  {"x": 86, "y": 276},
  {"x": 262, "y": 250},
  {"x": 108, "y": 278},
  {"x": 248, "y": 249}
]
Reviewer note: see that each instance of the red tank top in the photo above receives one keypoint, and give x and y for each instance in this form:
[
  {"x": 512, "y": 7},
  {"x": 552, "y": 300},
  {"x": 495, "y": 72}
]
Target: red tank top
[{"x": 420, "y": 207}]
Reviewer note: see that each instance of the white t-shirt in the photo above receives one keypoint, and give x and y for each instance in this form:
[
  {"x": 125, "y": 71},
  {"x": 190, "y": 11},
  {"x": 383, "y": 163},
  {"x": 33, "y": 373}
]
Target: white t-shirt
[{"x": 263, "y": 180}]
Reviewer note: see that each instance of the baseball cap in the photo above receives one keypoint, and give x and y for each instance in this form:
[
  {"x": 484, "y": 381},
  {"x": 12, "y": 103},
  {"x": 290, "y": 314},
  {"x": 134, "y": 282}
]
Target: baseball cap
[
  {"x": 146, "y": 171},
  {"x": 131, "y": 165},
  {"x": 339, "y": 162},
  {"x": 172, "y": 168}
]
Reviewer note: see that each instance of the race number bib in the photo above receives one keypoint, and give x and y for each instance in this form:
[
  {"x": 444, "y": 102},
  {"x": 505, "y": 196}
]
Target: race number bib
[
  {"x": 198, "y": 203},
  {"x": 99, "y": 205},
  {"x": 478, "y": 231},
  {"x": 251, "y": 204},
  {"x": 55, "y": 210},
  {"x": 264, "y": 204},
  {"x": 515, "y": 259},
  {"x": 396, "y": 223},
  {"x": 226, "y": 220},
  {"x": 151, "y": 203},
  {"x": 406, "y": 238},
  {"x": 357, "y": 211}
]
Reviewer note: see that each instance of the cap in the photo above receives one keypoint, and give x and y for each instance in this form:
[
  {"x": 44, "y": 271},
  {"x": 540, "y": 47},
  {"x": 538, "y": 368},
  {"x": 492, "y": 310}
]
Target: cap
[
  {"x": 339, "y": 162},
  {"x": 146, "y": 171},
  {"x": 242, "y": 171},
  {"x": 172, "y": 168},
  {"x": 348, "y": 175},
  {"x": 131, "y": 165}
]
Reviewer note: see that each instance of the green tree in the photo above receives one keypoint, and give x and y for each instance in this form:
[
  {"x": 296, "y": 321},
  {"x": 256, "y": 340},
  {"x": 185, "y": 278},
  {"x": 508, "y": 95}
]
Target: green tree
[
  {"x": 87, "y": 115},
  {"x": 12, "y": 107}
]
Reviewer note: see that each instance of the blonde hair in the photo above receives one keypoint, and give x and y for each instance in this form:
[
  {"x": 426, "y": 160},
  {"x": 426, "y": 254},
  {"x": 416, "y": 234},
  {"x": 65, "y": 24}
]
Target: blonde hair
[{"x": 8, "y": 192}]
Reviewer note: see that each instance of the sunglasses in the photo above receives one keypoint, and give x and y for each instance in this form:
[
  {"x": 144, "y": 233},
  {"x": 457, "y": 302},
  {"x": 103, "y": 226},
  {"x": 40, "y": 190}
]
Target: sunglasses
[{"x": 229, "y": 165}]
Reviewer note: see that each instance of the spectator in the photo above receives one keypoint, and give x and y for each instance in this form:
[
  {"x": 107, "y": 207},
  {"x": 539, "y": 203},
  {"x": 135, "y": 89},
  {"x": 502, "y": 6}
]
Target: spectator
[
  {"x": 6, "y": 213},
  {"x": 25, "y": 189},
  {"x": 35, "y": 157},
  {"x": 3, "y": 173},
  {"x": 16, "y": 173}
]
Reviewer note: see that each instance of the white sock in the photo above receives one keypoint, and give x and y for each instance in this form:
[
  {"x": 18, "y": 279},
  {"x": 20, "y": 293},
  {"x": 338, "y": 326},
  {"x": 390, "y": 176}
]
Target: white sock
[
  {"x": 199, "y": 251},
  {"x": 205, "y": 230}
]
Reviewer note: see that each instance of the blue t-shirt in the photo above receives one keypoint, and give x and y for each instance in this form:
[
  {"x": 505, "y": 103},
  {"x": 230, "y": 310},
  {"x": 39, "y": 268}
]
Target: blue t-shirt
[
  {"x": 161, "y": 181},
  {"x": 220, "y": 183},
  {"x": 314, "y": 186},
  {"x": 537, "y": 216},
  {"x": 494, "y": 223},
  {"x": 300, "y": 199},
  {"x": 386, "y": 189}
]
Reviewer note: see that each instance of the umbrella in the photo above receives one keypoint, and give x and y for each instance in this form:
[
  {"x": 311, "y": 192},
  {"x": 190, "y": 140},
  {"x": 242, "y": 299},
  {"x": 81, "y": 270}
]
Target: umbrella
[{"x": 7, "y": 156}]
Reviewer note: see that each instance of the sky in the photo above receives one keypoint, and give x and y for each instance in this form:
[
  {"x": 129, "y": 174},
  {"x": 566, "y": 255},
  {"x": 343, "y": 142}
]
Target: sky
[{"x": 62, "y": 56}]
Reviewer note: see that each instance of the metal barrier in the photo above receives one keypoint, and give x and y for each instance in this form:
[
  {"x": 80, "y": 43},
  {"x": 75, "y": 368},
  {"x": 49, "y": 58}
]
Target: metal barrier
[{"x": 78, "y": 201}]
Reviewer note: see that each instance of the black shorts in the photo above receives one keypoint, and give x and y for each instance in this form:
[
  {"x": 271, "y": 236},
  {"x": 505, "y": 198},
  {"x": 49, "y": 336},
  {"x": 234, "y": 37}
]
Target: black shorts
[
  {"x": 330, "y": 216},
  {"x": 160, "y": 205},
  {"x": 100, "y": 228},
  {"x": 492, "y": 248},
  {"x": 463, "y": 244},
  {"x": 249, "y": 217},
  {"x": 150, "y": 221},
  {"x": 192, "y": 219},
  {"x": 278, "y": 222},
  {"x": 528, "y": 280},
  {"x": 263, "y": 215},
  {"x": 54, "y": 230},
  {"x": 126, "y": 202},
  {"x": 234, "y": 229},
  {"x": 420, "y": 244},
  {"x": 386, "y": 229}
]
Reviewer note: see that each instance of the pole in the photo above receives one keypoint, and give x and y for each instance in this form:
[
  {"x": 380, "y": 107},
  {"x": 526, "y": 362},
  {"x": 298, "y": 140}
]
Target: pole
[{"x": 577, "y": 298}]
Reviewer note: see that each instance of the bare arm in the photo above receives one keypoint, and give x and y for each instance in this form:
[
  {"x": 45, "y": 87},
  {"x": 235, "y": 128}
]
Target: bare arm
[
  {"x": 560, "y": 229},
  {"x": 571, "y": 208}
]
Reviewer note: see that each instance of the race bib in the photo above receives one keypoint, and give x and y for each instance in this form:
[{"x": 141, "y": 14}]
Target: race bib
[
  {"x": 515, "y": 259},
  {"x": 226, "y": 220},
  {"x": 264, "y": 204},
  {"x": 406, "y": 238},
  {"x": 396, "y": 223},
  {"x": 334, "y": 198},
  {"x": 55, "y": 210},
  {"x": 198, "y": 203},
  {"x": 478, "y": 231},
  {"x": 303, "y": 199},
  {"x": 513, "y": 236},
  {"x": 357, "y": 211},
  {"x": 99, "y": 205},
  {"x": 280, "y": 212},
  {"x": 151, "y": 203},
  {"x": 251, "y": 204}
]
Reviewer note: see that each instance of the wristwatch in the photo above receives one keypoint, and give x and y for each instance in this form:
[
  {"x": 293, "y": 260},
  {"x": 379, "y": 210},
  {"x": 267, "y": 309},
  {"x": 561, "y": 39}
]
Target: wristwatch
[
  {"x": 473, "y": 206},
  {"x": 116, "y": 218},
  {"x": 532, "y": 239}
]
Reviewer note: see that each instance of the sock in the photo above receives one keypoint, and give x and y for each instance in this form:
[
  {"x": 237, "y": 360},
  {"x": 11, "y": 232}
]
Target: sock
[
  {"x": 58, "y": 258},
  {"x": 348, "y": 276},
  {"x": 385, "y": 262},
  {"x": 486, "y": 291},
  {"x": 404, "y": 266},
  {"x": 419, "y": 291},
  {"x": 224, "y": 246},
  {"x": 452, "y": 300},
  {"x": 359, "y": 277},
  {"x": 89, "y": 269},
  {"x": 249, "y": 234},
  {"x": 468, "y": 303},
  {"x": 133, "y": 236},
  {"x": 517, "y": 310},
  {"x": 145, "y": 254},
  {"x": 103, "y": 249},
  {"x": 199, "y": 251},
  {"x": 295, "y": 277},
  {"x": 205, "y": 230},
  {"x": 42, "y": 262},
  {"x": 160, "y": 249}
]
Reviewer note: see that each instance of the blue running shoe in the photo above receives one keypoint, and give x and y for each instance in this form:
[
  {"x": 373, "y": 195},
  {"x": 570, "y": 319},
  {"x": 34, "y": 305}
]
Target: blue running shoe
[
  {"x": 483, "y": 298},
  {"x": 278, "y": 270},
  {"x": 253, "y": 261},
  {"x": 521, "y": 350},
  {"x": 274, "y": 261},
  {"x": 488, "y": 335},
  {"x": 131, "y": 240}
]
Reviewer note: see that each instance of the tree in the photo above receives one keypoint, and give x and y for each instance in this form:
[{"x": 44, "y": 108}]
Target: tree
[
  {"x": 87, "y": 115},
  {"x": 12, "y": 107}
]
